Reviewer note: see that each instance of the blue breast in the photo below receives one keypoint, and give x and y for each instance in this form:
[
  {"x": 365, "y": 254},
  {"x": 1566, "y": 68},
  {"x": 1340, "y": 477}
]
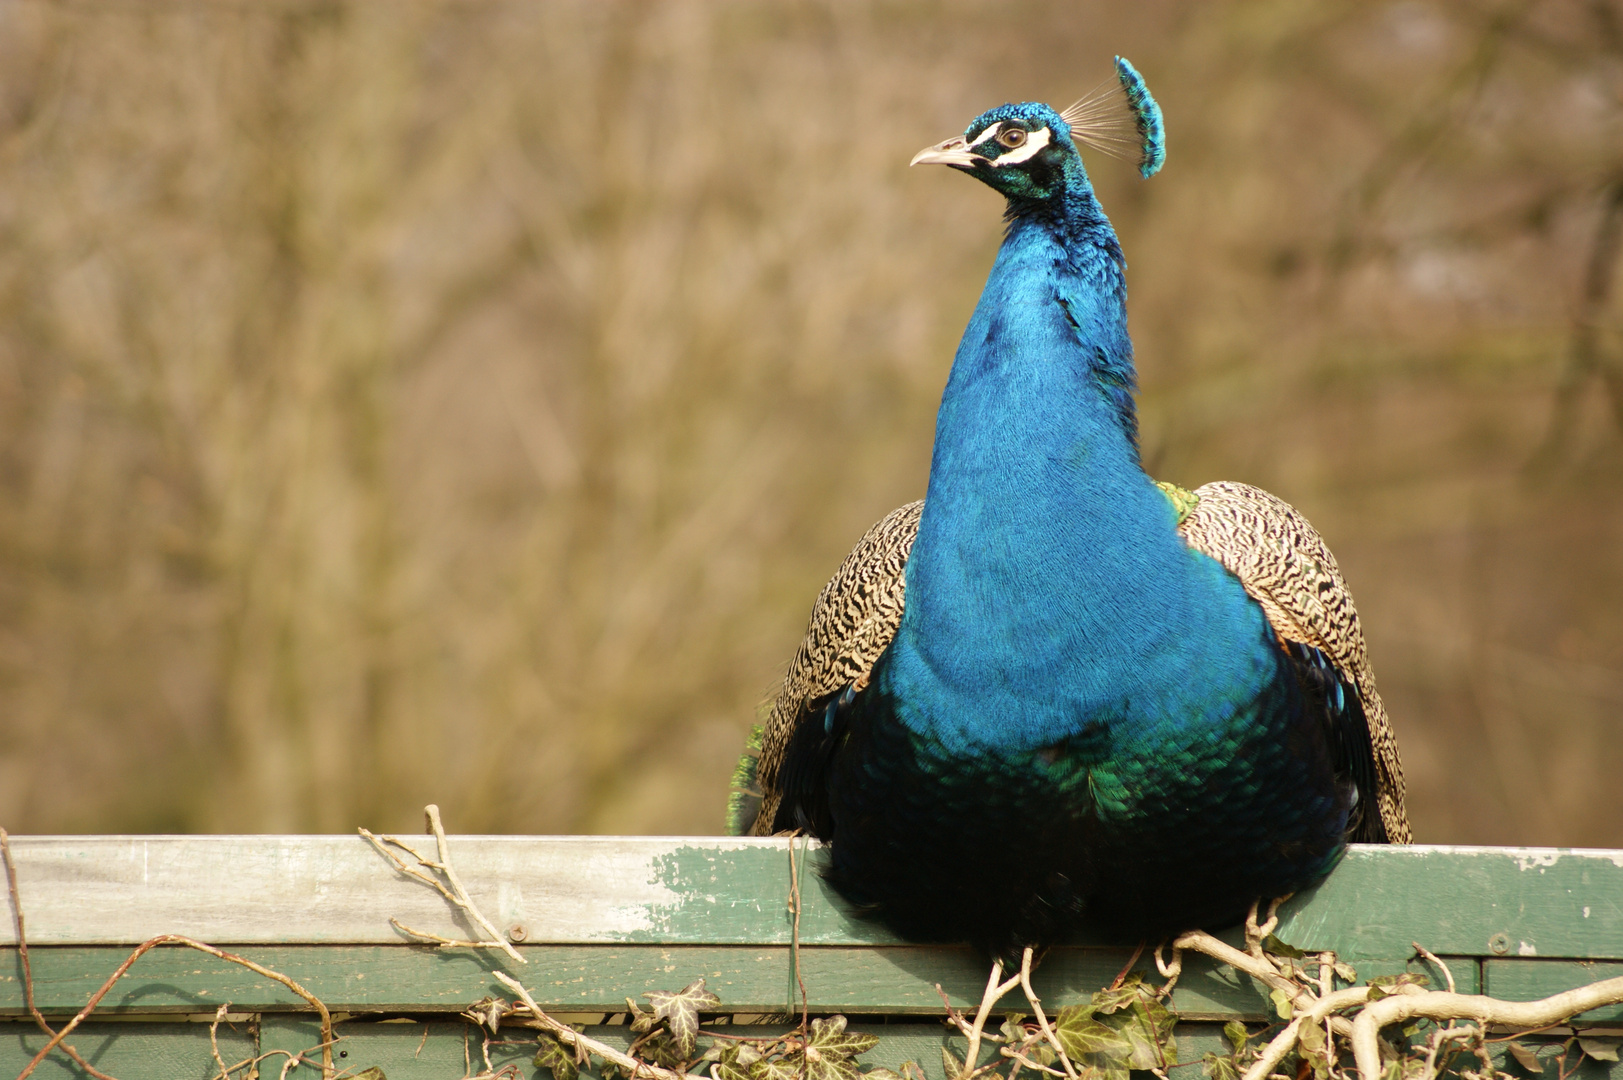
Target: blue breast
[{"x": 1080, "y": 720}]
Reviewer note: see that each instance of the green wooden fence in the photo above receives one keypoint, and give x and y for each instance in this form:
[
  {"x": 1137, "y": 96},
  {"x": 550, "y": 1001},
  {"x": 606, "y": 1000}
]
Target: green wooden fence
[{"x": 599, "y": 920}]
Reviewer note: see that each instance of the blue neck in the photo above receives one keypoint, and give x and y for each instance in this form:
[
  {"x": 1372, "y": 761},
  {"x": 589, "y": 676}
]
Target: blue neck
[{"x": 1048, "y": 589}]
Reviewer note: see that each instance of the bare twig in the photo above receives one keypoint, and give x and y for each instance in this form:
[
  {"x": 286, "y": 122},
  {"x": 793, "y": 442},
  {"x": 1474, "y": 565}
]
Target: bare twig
[
  {"x": 954, "y": 1017},
  {"x": 1286, "y": 1040},
  {"x": 995, "y": 989},
  {"x": 794, "y": 933},
  {"x": 1042, "y": 1018},
  {"x": 423, "y": 937},
  {"x": 1440, "y": 1005},
  {"x": 28, "y": 970},
  {"x": 1258, "y": 967},
  {"x": 1433, "y": 958},
  {"x": 578, "y": 1042},
  {"x": 385, "y": 843},
  {"x": 451, "y": 888},
  {"x": 1115, "y": 984},
  {"x": 1021, "y": 1059},
  {"x": 214, "y": 1040},
  {"x": 176, "y": 939}
]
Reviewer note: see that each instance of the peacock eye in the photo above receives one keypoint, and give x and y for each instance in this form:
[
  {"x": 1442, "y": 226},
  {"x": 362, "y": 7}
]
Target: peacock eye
[{"x": 1012, "y": 137}]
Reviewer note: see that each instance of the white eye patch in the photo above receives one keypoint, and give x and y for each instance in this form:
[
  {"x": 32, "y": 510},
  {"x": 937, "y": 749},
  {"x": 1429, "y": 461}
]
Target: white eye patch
[
  {"x": 991, "y": 131},
  {"x": 1025, "y": 151}
]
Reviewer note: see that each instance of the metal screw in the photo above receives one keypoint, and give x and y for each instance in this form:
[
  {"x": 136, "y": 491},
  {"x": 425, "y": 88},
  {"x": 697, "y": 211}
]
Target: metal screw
[
  {"x": 1500, "y": 943},
  {"x": 516, "y": 932}
]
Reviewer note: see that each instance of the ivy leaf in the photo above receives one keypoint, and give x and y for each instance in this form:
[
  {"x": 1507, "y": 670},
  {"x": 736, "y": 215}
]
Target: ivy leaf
[
  {"x": 680, "y": 1011},
  {"x": 1346, "y": 972},
  {"x": 727, "y": 1070},
  {"x": 1151, "y": 1046},
  {"x": 1272, "y": 944},
  {"x": 374, "y": 1073},
  {"x": 830, "y": 1068},
  {"x": 487, "y": 1012},
  {"x": 1013, "y": 1029},
  {"x": 951, "y": 1062},
  {"x": 1108, "y": 1000},
  {"x": 1041, "y": 1052},
  {"x": 557, "y": 1057},
  {"x": 879, "y": 1072},
  {"x": 1218, "y": 1067},
  {"x": 1283, "y": 1004},
  {"x": 1081, "y": 1035},
  {"x": 912, "y": 1070},
  {"x": 830, "y": 1039},
  {"x": 1599, "y": 1049},
  {"x": 770, "y": 1069},
  {"x": 662, "y": 1049},
  {"x": 1525, "y": 1057},
  {"x": 1310, "y": 1037},
  {"x": 1236, "y": 1034},
  {"x": 641, "y": 1023}
]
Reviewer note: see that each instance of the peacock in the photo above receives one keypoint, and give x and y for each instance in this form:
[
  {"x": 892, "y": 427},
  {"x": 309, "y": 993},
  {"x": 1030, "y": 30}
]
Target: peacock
[{"x": 1055, "y": 694}]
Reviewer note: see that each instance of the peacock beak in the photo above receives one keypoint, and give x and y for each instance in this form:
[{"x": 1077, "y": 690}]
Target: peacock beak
[{"x": 953, "y": 152}]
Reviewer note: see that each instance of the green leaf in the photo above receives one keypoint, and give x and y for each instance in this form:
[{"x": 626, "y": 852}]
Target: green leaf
[
  {"x": 774, "y": 1069},
  {"x": 641, "y": 1023},
  {"x": 487, "y": 1012},
  {"x": 1081, "y": 1035},
  {"x": 820, "y": 1067},
  {"x": 680, "y": 1011},
  {"x": 830, "y": 1039},
  {"x": 1346, "y": 972},
  {"x": 1109, "y": 1000},
  {"x": 952, "y": 1063},
  {"x": 1147, "y": 1048},
  {"x": 1599, "y": 1049},
  {"x": 1236, "y": 1034},
  {"x": 1310, "y": 1037},
  {"x": 1525, "y": 1057},
  {"x": 726, "y": 1070},
  {"x": 1282, "y": 1004},
  {"x": 662, "y": 1049},
  {"x": 1013, "y": 1029},
  {"x": 879, "y": 1072},
  {"x": 556, "y": 1056},
  {"x": 374, "y": 1073},
  {"x": 1219, "y": 1067},
  {"x": 912, "y": 1070},
  {"x": 1041, "y": 1052},
  {"x": 1272, "y": 944}
]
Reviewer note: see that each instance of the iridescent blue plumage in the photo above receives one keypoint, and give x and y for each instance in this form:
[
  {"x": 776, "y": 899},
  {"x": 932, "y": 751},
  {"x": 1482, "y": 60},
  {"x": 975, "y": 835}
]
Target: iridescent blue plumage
[{"x": 1080, "y": 719}]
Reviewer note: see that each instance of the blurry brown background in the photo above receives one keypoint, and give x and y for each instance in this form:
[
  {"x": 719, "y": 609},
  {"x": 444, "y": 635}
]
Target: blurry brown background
[{"x": 464, "y": 401}]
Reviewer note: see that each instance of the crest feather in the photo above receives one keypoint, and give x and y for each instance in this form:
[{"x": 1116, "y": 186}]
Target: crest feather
[{"x": 1119, "y": 117}]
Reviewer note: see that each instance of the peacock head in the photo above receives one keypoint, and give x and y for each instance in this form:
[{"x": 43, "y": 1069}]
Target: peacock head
[{"x": 1025, "y": 151}]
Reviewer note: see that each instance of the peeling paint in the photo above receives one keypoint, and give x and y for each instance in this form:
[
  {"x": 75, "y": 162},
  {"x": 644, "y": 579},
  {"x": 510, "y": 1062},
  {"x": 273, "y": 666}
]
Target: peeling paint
[
  {"x": 1537, "y": 859},
  {"x": 1525, "y": 949}
]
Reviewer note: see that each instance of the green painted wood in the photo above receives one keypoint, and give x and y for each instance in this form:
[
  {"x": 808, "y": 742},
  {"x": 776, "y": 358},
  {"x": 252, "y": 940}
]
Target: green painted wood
[
  {"x": 1550, "y": 903},
  {"x": 129, "y": 1051},
  {"x": 1529, "y": 980},
  {"x": 898, "y": 980},
  {"x": 1545, "y": 902}
]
